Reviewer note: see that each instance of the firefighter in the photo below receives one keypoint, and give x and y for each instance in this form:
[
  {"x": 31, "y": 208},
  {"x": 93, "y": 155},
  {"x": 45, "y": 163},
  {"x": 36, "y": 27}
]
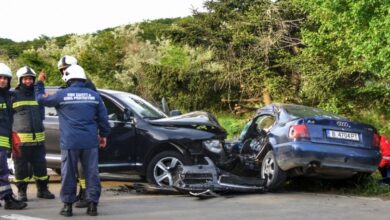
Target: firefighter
[
  {"x": 384, "y": 165},
  {"x": 5, "y": 139},
  {"x": 83, "y": 128},
  {"x": 28, "y": 125},
  {"x": 64, "y": 63}
]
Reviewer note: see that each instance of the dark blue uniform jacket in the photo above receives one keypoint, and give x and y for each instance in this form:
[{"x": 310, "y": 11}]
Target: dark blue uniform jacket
[{"x": 82, "y": 115}]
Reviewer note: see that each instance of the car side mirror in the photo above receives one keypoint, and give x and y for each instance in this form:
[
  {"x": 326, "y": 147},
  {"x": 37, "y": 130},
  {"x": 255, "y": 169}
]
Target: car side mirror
[
  {"x": 174, "y": 113},
  {"x": 128, "y": 115}
]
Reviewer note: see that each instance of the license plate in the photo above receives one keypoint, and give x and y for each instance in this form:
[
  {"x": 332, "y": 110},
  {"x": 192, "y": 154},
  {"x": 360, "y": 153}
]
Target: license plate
[{"x": 343, "y": 135}]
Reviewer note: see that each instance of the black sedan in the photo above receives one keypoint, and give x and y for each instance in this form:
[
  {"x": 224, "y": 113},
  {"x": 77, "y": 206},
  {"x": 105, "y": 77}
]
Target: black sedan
[{"x": 143, "y": 139}]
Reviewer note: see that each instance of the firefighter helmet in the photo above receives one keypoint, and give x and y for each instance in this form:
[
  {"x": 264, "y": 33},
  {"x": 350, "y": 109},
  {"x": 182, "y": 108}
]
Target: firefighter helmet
[
  {"x": 66, "y": 61},
  {"x": 5, "y": 71},
  {"x": 25, "y": 71},
  {"x": 74, "y": 72}
]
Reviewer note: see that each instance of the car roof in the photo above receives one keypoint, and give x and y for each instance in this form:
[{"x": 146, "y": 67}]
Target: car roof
[{"x": 106, "y": 91}]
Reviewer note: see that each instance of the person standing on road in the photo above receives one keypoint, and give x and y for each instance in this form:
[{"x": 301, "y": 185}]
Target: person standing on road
[
  {"x": 5, "y": 139},
  {"x": 28, "y": 125},
  {"x": 83, "y": 127},
  {"x": 62, "y": 65},
  {"x": 384, "y": 165}
]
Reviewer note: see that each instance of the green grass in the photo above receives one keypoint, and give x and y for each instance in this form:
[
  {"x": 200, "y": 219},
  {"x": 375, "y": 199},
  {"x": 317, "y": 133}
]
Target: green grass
[{"x": 232, "y": 123}]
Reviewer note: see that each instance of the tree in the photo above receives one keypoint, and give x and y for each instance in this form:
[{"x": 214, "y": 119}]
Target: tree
[
  {"x": 345, "y": 62},
  {"x": 249, "y": 38}
]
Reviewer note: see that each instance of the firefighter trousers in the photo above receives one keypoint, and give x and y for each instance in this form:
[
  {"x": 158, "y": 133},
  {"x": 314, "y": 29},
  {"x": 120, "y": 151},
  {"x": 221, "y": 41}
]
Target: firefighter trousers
[
  {"x": 5, "y": 187},
  {"x": 31, "y": 157},
  {"x": 89, "y": 162}
]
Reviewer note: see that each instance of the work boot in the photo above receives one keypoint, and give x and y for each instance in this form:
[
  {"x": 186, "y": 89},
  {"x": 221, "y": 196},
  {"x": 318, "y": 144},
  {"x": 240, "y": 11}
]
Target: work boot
[
  {"x": 43, "y": 191},
  {"x": 92, "y": 209},
  {"x": 11, "y": 203},
  {"x": 22, "y": 196},
  {"x": 66, "y": 210},
  {"x": 22, "y": 191},
  {"x": 82, "y": 202},
  {"x": 45, "y": 194}
]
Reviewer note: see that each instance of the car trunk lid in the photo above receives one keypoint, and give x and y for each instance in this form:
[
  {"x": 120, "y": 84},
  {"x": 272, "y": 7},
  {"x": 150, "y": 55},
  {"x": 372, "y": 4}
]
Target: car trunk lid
[{"x": 340, "y": 132}]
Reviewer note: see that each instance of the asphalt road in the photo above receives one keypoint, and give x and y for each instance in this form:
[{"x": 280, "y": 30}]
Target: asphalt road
[{"x": 127, "y": 204}]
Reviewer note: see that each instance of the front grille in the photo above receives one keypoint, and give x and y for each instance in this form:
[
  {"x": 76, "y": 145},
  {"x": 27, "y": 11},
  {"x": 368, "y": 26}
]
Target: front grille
[{"x": 197, "y": 178}]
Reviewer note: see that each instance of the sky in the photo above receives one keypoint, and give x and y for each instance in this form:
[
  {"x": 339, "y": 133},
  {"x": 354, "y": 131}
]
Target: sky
[{"x": 22, "y": 20}]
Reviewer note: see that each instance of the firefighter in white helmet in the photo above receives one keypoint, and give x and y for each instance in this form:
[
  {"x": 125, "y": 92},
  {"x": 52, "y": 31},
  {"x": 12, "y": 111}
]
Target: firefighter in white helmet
[
  {"x": 28, "y": 125},
  {"x": 78, "y": 141},
  {"x": 64, "y": 63},
  {"x": 5, "y": 139}
]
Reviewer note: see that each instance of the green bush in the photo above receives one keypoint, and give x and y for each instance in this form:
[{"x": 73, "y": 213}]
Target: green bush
[{"x": 232, "y": 123}]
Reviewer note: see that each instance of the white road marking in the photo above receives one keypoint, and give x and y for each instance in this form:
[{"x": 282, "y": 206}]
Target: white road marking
[{"x": 19, "y": 217}]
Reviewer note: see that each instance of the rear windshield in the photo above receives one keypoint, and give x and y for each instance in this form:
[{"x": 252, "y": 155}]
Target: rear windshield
[{"x": 299, "y": 111}]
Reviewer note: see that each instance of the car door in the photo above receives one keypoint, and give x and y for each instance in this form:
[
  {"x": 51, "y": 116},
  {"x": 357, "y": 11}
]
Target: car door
[
  {"x": 120, "y": 151},
  {"x": 52, "y": 135}
]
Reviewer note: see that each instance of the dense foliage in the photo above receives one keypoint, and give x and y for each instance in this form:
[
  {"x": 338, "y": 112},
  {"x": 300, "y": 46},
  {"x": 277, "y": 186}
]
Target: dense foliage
[{"x": 331, "y": 54}]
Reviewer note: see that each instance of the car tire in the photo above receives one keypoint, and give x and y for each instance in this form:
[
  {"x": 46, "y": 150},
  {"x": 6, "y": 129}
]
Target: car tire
[
  {"x": 271, "y": 171},
  {"x": 161, "y": 167}
]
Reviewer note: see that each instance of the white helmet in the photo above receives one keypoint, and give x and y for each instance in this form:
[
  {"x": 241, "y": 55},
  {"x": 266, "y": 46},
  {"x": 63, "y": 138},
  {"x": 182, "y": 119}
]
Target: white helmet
[
  {"x": 66, "y": 61},
  {"x": 5, "y": 71},
  {"x": 73, "y": 72},
  {"x": 25, "y": 71}
]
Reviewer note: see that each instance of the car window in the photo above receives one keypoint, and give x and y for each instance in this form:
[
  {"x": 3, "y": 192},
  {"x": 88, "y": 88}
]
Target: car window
[
  {"x": 265, "y": 122},
  {"x": 298, "y": 111},
  {"x": 50, "y": 111},
  {"x": 113, "y": 111},
  {"x": 141, "y": 107}
]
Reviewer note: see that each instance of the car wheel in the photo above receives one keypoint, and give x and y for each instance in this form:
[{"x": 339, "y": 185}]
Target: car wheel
[
  {"x": 161, "y": 167},
  {"x": 271, "y": 172}
]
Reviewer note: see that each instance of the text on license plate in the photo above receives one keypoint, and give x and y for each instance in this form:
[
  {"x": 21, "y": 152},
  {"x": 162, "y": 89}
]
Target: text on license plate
[{"x": 343, "y": 135}]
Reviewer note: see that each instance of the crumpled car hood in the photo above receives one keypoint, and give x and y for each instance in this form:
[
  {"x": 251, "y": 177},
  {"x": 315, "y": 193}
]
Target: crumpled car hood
[{"x": 197, "y": 120}]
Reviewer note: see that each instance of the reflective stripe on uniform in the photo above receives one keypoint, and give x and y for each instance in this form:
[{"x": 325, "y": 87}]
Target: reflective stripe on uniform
[
  {"x": 27, "y": 179},
  {"x": 41, "y": 177},
  {"x": 4, "y": 142},
  {"x": 73, "y": 102},
  {"x": 28, "y": 137},
  {"x": 386, "y": 157},
  {"x": 5, "y": 188},
  {"x": 21, "y": 103},
  {"x": 82, "y": 183},
  {"x": 3, "y": 105}
]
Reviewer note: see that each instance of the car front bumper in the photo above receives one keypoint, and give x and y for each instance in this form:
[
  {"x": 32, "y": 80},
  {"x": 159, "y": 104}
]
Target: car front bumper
[{"x": 335, "y": 158}]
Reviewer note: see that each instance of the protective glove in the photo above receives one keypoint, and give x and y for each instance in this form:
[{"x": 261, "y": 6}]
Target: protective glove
[{"x": 15, "y": 145}]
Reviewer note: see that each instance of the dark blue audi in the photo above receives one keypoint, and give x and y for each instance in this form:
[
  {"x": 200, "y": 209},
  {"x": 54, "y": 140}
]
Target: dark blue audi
[{"x": 286, "y": 140}]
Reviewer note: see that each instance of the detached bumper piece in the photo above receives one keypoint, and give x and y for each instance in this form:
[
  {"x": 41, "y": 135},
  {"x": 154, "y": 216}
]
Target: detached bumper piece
[{"x": 207, "y": 180}]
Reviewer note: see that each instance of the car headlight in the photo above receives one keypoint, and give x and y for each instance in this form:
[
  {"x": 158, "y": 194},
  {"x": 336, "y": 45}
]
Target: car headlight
[{"x": 214, "y": 146}]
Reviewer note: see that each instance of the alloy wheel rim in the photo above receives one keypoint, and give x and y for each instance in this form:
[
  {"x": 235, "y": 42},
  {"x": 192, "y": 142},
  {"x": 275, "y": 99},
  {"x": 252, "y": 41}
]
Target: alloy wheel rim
[
  {"x": 162, "y": 171},
  {"x": 268, "y": 169}
]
